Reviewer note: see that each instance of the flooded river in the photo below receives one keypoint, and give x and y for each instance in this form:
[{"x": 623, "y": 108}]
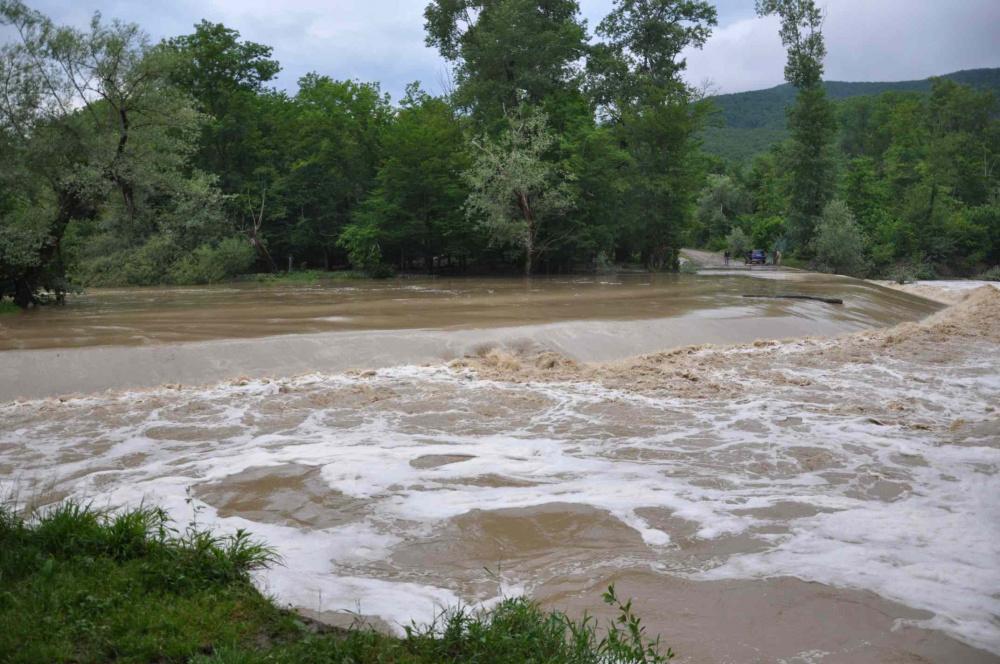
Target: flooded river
[
  {"x": 815, "y": 500},
  {"x": 149, "y": 337}
]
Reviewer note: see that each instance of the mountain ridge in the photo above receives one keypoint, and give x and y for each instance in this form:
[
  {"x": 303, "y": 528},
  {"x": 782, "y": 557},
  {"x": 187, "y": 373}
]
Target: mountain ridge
[{"x": 750, "y": 122}]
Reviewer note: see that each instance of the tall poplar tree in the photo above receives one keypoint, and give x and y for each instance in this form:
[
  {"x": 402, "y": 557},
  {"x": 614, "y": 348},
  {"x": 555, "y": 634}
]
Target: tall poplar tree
[
  {"x": 812, "y": 121},
  {"x": 508, "y": 52},
  {"x": 635, "y": 77}
]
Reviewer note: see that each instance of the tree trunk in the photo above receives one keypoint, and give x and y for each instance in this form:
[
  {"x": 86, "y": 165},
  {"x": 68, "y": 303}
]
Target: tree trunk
[
  {"x": 124, "y": 184},
  {"x": 529, "y": 236},
  {"x": 23, "y": 295}
]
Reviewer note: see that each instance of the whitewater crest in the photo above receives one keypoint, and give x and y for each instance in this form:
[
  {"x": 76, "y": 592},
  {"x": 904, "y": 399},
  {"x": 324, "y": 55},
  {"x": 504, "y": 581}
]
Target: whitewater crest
[{"x": 706, "y": 370}]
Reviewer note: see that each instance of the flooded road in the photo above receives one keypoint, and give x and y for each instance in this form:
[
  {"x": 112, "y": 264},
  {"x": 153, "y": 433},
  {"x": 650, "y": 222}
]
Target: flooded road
[
  {"x": 820, "y": 500},
  {"x": 146, "y": 338},
  {"x": 105, "y": 317}
]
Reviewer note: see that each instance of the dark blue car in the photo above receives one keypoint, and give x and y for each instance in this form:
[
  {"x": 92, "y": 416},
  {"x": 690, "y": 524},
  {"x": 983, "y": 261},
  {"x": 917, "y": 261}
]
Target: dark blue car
[{"x": 757, "y": 257}]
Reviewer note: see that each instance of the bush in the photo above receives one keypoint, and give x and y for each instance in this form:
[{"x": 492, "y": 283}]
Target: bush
[
  {"x": 839, "y": 243},
  {"x": 689, "y": 267},
  {"x": 992, "y": 274},
  {"x": 146, "y": 265},
  {"x": 738, "y": 242},
  {"x": 207, "y": 264}
]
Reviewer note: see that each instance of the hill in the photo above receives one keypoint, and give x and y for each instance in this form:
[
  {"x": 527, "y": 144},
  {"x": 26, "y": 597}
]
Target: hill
[{"x": 751, "y": 122}]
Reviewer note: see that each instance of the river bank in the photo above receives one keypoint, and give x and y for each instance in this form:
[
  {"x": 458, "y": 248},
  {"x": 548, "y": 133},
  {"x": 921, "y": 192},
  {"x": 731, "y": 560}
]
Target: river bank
[{"x": 83, "y": 585}]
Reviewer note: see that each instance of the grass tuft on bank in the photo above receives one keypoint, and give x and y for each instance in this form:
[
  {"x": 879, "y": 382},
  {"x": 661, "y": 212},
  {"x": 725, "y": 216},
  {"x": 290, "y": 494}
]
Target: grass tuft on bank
[
  {"x": 79, "y": 584},
  {"x": 303, "y": 277}
]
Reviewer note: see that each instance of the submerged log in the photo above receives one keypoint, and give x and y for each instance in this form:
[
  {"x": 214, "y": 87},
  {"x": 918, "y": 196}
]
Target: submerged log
[{"x": 828, "y": 300}]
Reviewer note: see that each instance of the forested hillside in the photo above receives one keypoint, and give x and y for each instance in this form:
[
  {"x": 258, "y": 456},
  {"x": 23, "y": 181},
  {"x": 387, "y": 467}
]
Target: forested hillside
[{"x": 747, "y": 123}]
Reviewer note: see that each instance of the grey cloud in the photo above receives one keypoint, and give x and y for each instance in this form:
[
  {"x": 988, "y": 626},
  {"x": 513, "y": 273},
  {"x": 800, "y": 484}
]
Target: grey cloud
[
  {"x": 867, "y": 40},
  {"x": 383, "y": 40}
]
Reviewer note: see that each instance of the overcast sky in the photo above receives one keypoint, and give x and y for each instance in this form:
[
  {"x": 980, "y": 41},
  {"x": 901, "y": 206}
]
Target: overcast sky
[{"x": 383, "y": 40}]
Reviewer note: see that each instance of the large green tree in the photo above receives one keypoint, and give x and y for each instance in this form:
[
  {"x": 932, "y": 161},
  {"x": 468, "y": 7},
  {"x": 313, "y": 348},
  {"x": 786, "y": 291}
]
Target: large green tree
[
  {"x": 92, "y": 118},
  {"x": 509, "y": 52},
  {"x": 635, "y": 76},
  {"x": 812, "y": 121},
  {"x": 514, "y": 190},
  {"x": 415, "y": 210},
  {"x": 334, "y": 147},
  {"x": 228, "y": 78}
]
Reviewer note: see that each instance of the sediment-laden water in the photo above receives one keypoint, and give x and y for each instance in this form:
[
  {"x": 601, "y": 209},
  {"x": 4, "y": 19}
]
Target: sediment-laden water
[
  {"x": 145, "y": 338},
  {"x": 814, "y": 500}
]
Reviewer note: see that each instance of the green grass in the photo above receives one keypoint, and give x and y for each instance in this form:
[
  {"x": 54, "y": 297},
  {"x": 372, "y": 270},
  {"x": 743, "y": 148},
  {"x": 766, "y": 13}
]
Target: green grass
[
  {"x": 303, "y": 276},
  {"x": 84, "y": 585},
  {"x": 797, "y": 263},
  {"x": 8, "y": 308}
]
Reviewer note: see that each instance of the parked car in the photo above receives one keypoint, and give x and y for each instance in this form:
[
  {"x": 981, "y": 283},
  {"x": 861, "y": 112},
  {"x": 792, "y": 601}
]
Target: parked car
[{"x": 758, "y": 257}]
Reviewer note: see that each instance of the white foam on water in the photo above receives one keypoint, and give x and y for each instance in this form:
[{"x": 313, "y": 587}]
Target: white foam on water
[
  {"x": 905, "y": 512},
  {"x": 958, "y": 284}
]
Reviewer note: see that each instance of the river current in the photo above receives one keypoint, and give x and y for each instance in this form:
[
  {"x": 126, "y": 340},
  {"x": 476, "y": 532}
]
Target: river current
[{"x": 802, "y": 501}]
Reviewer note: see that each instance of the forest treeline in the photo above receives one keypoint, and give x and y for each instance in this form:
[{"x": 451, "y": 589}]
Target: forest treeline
[{"x": 557, "y": 148}]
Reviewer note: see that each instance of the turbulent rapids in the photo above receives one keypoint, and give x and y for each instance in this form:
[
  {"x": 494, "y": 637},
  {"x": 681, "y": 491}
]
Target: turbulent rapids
[{"x": 725, "y": 487}]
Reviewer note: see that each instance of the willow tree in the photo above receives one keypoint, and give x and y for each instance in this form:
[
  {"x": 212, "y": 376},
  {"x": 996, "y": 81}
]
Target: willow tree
[
  {"x": 514, "y": 190},
  {"x": 90, "y": 120}
]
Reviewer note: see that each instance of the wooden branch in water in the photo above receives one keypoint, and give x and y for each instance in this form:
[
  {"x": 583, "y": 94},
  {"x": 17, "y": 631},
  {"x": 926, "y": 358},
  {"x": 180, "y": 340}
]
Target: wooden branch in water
[{"x": 828, "y": 300}]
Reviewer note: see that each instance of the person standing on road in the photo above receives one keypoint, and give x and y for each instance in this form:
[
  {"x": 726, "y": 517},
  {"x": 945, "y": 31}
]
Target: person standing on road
[
  {"x": 725, "y": 257},
  {"x": 777, "y": 256}
]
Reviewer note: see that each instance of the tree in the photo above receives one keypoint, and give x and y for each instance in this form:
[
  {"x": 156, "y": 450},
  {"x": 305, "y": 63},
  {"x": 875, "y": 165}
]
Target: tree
[
  {"x": 635, "y": 80},
  {"x": 737, "y": 242},
  {"x": 228, "y": 78},
  {"x": 514, "y": 191},
  {"x": 811, "y": 120},
  {"x": 643, "y": 42},
  {"x": 840, "y": 244},
  {"x": 93, "y": 117},
  {"x": 508, "y": 52},
  {"x": 415, "y": 209},
  {"x": 719, "y": 205},
  {"x": 334, "y": 146}
]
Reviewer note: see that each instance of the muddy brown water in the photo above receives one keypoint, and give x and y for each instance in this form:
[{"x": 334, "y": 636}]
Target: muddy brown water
[
  {"x": 797, "y": 503},
  {"x": 148, "y": 337},
  {"x": 106, "y": 317}
]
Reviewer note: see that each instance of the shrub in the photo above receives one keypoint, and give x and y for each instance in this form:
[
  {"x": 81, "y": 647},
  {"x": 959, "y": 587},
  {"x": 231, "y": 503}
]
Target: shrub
[
  {"x": 738, "y": 242},
  {"x": 992, "y": 274},
  {"x": 839, "y": 243},
  {"x": 207, "y": 264},
  {"x": 689, "y": 267},
  {"x": 145, "y": 265}
]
